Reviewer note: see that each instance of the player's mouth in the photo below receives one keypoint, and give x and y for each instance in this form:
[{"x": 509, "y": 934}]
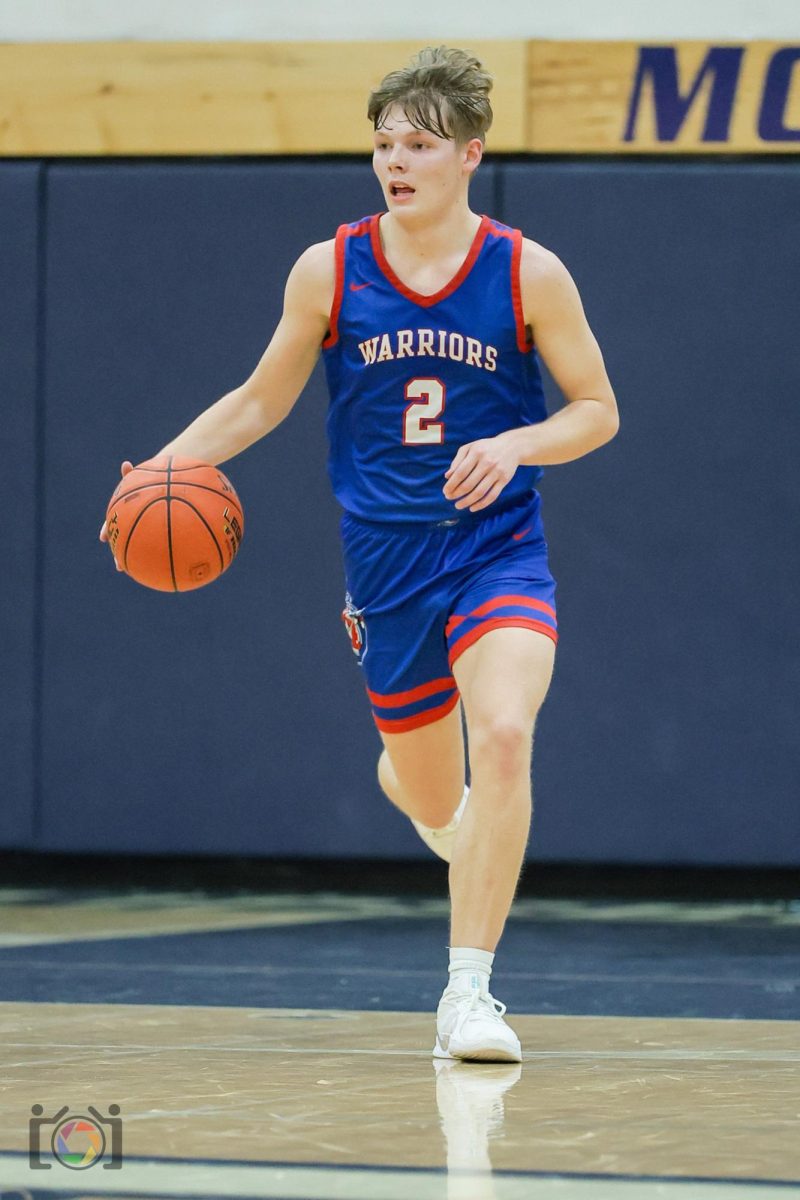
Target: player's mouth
[{"x": 400, "y": 191}]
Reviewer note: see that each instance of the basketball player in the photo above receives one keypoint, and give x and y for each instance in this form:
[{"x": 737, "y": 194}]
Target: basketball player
[{"x": 430, "y": 319}]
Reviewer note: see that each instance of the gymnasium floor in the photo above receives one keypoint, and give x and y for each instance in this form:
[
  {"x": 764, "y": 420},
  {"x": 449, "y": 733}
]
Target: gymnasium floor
[{"x": 278, "y": 1045}]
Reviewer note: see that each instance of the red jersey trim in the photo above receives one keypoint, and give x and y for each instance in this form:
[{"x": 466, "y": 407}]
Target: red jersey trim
[
  {"x": 342, "y": 234},
  {"x": 524, "y": 345},
  {"x": 449, "y": 288},
  {"x": 338, "y": 291}
]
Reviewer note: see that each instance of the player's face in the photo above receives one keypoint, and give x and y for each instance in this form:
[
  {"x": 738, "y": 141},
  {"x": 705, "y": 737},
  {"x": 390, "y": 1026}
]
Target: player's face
[{"x": 420, "y": 173}]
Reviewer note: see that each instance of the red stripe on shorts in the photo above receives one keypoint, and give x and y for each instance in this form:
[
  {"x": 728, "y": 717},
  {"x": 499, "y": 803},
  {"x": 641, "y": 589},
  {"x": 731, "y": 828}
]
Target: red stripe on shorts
[
  {"x": 399, "y": 699},
  {"x": 500, "y": 602},
  {"x": 404, "y": 724},
  {"x": 499, "y": 623}
]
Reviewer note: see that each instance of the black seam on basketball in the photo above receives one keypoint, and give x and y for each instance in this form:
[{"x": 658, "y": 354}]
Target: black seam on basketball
[
  {"x": 175, "y": 470},
  {"x": 133, "y": 527},
  {"x": 188, "y": 503},
  {"x": 160, "y": 483},
  {"x": 169, "y": 524}
]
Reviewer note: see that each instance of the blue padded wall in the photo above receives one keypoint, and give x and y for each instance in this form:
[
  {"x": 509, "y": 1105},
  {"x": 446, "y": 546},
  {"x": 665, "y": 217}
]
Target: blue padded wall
[
  {"x": 19, "y": 189},
  {"x": 233, "y": 719},
  {"x": 671, "y": 732}
]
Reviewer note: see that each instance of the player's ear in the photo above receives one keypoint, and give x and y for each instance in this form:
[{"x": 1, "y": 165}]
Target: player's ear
[{"x": 472, "y": 154}]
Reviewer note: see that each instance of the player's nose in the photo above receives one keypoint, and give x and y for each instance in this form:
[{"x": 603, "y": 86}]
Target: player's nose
[{"x": 397, "y": 158}]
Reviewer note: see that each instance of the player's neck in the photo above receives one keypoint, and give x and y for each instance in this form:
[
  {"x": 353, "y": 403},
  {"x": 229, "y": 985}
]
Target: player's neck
[{"x": 429, "y": 240}]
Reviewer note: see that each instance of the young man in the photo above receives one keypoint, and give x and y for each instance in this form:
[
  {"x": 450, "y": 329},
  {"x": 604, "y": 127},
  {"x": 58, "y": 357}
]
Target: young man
[{"x": 427, "y": 317}]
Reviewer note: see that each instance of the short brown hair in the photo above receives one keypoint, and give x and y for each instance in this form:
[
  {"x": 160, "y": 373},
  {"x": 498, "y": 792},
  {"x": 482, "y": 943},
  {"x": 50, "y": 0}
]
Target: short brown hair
[{"x": 442, "y": 90}]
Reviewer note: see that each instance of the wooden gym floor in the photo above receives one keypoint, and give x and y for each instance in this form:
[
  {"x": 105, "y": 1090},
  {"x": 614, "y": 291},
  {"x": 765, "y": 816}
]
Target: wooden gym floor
[{"x": 279, "y": 1046}]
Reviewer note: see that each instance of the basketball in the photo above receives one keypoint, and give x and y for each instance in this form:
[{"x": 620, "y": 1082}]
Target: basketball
[{"x": 174, "y": 524}]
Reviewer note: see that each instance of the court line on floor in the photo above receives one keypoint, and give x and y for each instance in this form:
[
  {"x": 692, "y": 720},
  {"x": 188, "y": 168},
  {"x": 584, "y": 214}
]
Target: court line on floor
[
  {"x": 769, "y": 913},
  {"x": 676, "y": 1055},
  {"x": 196, "y": 923}
]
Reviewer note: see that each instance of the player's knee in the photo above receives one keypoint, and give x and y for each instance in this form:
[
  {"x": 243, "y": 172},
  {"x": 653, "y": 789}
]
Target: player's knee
[{"x": 501, "y": 744}]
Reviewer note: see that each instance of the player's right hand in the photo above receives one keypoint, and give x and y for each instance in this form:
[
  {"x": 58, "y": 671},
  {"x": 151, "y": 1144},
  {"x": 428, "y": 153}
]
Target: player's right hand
[{"x": 124, "y": 469}]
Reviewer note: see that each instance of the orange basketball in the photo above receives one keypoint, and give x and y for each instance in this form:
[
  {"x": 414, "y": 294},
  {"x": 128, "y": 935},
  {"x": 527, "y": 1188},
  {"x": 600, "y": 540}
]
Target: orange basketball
[{"x": 174, "y": 523}]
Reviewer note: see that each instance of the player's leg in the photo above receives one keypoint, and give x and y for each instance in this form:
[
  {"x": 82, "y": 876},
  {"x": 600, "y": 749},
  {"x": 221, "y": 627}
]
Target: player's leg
[
  {"x": 395, "y": 620},
  {"x": 504, "y": 674},
  {"x": 501, "y": 645},
  {"x": 422, "y": 770},
  {"x": 503, "y": 678}
]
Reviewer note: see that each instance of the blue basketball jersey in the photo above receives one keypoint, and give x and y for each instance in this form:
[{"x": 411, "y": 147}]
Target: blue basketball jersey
[{"x": 412, "y": 378}]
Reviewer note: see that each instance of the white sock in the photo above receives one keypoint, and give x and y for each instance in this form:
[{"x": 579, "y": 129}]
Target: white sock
[{"x": 470, "y": 968}]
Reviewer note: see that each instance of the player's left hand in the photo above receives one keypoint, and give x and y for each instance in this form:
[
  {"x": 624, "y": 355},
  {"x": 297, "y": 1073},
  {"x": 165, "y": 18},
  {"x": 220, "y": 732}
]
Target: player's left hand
[{"x": 480, "y": 471}]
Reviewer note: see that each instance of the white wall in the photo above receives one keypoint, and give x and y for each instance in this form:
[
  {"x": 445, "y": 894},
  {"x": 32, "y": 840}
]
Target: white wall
[{"x": 351, "y": 20}]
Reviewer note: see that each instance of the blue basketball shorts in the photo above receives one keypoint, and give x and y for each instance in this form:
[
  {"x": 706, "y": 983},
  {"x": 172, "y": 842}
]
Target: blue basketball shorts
[{"x": 419, "y": 594}]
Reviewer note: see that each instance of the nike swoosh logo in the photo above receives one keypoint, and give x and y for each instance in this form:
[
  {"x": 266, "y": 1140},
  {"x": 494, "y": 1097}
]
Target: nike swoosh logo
[
  {"x": 518, "y": 536},
  {"x": 356, "y": 287}
]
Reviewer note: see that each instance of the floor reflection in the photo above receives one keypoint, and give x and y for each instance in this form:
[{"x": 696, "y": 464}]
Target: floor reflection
[{"x": 470, "y": 1099}]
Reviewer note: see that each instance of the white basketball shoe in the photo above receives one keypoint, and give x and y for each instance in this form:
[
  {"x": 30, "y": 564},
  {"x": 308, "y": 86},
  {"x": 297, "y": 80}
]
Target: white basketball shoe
[
  {"x": 470, "y": 1026},
  {"x": 441, "y": 841}
]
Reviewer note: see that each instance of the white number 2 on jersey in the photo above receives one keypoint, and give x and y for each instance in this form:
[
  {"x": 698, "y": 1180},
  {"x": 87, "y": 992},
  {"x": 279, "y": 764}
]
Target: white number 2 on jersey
[{"x": 419, "y": 419}]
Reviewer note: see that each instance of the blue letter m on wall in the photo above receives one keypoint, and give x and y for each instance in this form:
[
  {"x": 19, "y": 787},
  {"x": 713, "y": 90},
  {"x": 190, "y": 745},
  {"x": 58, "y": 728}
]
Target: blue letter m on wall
[{"x": 659, "y": 66}]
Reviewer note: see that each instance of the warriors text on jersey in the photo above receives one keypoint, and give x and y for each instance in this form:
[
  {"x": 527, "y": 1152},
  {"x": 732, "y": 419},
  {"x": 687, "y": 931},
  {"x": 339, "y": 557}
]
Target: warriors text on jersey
[{"x": 412, "y": 378}]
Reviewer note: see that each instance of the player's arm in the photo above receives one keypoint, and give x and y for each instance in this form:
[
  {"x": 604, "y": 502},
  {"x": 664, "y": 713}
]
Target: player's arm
[
  {"x": 553, "y": 310},
  {"x": 259, "y": 404},
  {"x": 561, "y": 333},
  {"x": 254, "y": 408}
]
